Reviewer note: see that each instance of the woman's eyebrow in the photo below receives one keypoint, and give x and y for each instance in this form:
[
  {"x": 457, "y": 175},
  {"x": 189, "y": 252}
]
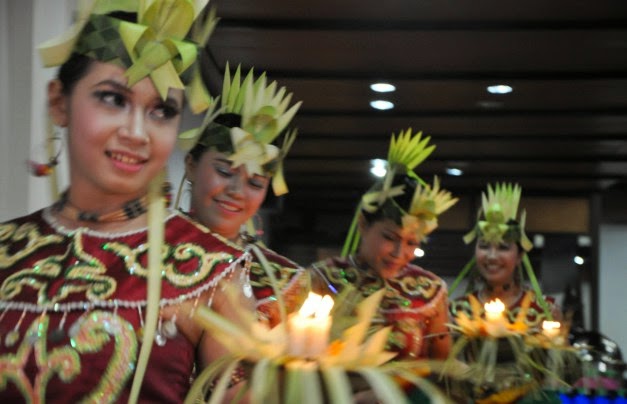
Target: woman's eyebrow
[{"x": 117, "y": 85}]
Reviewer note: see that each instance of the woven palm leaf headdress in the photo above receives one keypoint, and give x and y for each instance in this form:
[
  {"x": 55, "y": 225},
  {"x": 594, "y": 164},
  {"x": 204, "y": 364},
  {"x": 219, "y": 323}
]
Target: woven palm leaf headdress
[
  {"x": 252, "y": 114},
  {"x": 402, "y": 195},
  {"x": 162, "y": 44}
]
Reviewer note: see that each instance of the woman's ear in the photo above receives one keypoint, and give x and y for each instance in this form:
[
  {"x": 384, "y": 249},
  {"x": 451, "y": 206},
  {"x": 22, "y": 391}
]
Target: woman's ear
[{"x": 57, "y": 104}]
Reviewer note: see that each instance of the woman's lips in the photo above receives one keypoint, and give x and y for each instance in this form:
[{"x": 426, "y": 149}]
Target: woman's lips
[{"x": 126, "y": 162}]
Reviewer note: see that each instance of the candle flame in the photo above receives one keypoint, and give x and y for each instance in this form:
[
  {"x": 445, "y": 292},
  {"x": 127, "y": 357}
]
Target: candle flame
[
  {"x": 325, "y": 306},
  {"x": 494, "y": 306},
  {"x": 551, "y": 325},
  {"x": 316, "y": 305}
]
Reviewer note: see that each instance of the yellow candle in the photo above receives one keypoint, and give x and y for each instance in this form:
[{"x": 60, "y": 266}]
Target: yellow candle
[
  {"x": 309, "y": 328},
  {"x": 495, "y": 320},
  {"x": 551, "y": 329},
  {"x": 494, "y": 310}
]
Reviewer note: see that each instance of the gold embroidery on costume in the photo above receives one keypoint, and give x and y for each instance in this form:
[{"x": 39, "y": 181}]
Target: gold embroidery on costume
[
  {"x": 93, "y": 331},
  {"x": 87, "y": 275},
  {"x": 183, "y": 252},
  {"x": 63, "y": 361},
  {"x": 418, "y": 286},
  {"x": 27, "y": 232}
]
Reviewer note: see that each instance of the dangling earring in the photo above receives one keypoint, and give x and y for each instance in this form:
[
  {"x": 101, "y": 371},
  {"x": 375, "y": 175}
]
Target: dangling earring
[
  {"x": 53, "y": 149},
  {"x": 166, "y": 189},
  {"x": 185, "y": 187},
  {"x": 257, "y": 225}
]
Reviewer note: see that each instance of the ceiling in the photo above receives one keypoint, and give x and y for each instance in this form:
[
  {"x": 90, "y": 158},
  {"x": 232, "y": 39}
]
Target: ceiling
[{"x": 561, "y": 133}]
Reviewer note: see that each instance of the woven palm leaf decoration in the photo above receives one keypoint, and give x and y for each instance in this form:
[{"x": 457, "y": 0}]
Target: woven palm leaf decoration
[{"x": 407, "y": 151}]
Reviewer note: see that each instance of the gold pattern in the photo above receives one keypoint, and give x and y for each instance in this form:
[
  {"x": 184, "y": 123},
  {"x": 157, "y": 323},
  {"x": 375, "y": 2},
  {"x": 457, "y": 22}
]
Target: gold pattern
[
  {"x": 62, "y": 361},
  {"x": 96, "y": 329},
  {"x": 27, "y": 232},
  {"x": 182, "y": 253},
  {"x": 87, "y": 274}
]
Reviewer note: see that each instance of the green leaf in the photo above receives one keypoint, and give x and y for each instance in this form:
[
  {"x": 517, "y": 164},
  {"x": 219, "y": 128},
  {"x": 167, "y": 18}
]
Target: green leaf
[
  {"x": 385, "y": 388},
  {"x": 337, "y": 385}
]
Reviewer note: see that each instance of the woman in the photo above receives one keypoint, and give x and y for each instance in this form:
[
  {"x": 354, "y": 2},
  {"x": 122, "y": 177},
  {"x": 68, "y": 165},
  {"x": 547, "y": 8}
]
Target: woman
[
  {"x": 230, "y": 168},
  {"x": 392, "y": 219},
  {"x": 80, "y": 280},
  {"x": 500, "y": 255}
]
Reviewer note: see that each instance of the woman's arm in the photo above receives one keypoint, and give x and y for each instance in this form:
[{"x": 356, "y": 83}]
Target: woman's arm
[{"x": 440, "y": 333}]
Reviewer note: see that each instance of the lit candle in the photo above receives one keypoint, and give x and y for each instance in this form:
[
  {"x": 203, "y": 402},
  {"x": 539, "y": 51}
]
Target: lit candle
[
  {"x": 495, "y": 321},
  {"x": 494, "y": 310},
  {"x": 551, "y": 329},
  {"x": 309, "y": 328}
]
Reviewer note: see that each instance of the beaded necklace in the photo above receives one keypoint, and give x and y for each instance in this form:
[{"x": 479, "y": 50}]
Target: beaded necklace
[{"x": 128, "y": 211}]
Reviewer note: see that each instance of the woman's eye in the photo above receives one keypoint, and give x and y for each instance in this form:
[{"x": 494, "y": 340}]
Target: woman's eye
[
  {"x": 111, "y": 98},
  {"x": 256, "y": 183},
  {"x": 165, "y": 112},
  {"x": 224, "y": 171}
]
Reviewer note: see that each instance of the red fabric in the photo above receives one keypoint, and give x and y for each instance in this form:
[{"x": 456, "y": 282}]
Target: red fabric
[
  {"x": 69, "y": 264},
  {"x": 411, "y": 300}
]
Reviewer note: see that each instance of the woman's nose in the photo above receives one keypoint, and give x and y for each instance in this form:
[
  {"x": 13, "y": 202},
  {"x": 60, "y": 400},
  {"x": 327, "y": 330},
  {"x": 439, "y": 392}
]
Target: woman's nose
[
  {"x": 236, "y": 185},
  {"x": 135, "y": 127}
]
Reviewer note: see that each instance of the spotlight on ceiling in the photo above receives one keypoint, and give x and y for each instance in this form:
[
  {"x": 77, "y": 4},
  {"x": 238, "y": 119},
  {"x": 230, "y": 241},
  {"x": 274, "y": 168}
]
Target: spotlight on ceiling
[
  {"x": 378, "y": 167},
  {"x": 500, "y": 89},
  {"x": 455, "y": 172},
  {"x": 419, "y": 252},
  {"x": 381, "y": 105},
  {"x": 578, "y": 260},
  {"x": 382, "y": 87}
]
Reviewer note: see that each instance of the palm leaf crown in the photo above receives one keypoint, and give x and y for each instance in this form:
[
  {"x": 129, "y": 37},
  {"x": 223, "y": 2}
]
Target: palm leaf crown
[
  {"x": 499, "y": 208},
  {"x": 163, "y": 43},
  {"x": 412, "y": 204},
  {"x": 251, "y": 114}
]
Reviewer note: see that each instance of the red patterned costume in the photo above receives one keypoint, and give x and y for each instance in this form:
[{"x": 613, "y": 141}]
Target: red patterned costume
[
  {"x": 72, "y": 305},
  {"x": 413, "y": 298}
]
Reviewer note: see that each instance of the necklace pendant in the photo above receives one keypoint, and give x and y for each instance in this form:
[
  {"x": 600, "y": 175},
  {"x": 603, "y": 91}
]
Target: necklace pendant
[
  {"x": 169, "y": 329},
  {"x": 247, "y": 289},
  {"x": 11, "y": 338},
  {"x": 160, "y": 339}
]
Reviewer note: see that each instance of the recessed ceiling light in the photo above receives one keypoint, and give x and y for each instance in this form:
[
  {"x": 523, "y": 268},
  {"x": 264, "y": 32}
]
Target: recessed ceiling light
[
  {"x": 378, "y": 167},
  {"x": 419, "y": 252},
  {"x": 500, "y": 89},
  {"x": 381, "y": 105},
  {"x": 455, "y": 172},
  {"x": 578, "y": 260},
  {"x": 382, "y": 87}
]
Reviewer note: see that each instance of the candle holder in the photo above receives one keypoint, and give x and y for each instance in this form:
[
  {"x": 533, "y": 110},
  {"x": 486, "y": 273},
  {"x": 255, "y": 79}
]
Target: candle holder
[
  {"x": 314, "y": 356},
  {"x": 508, "y": 360}
]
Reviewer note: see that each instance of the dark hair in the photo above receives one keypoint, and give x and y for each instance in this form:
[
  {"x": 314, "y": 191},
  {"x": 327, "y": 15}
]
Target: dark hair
[
  {"x": 216, "y": 135},
  {"x": 74, "y": 69},
  {"x": 393, "y": 208}
]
